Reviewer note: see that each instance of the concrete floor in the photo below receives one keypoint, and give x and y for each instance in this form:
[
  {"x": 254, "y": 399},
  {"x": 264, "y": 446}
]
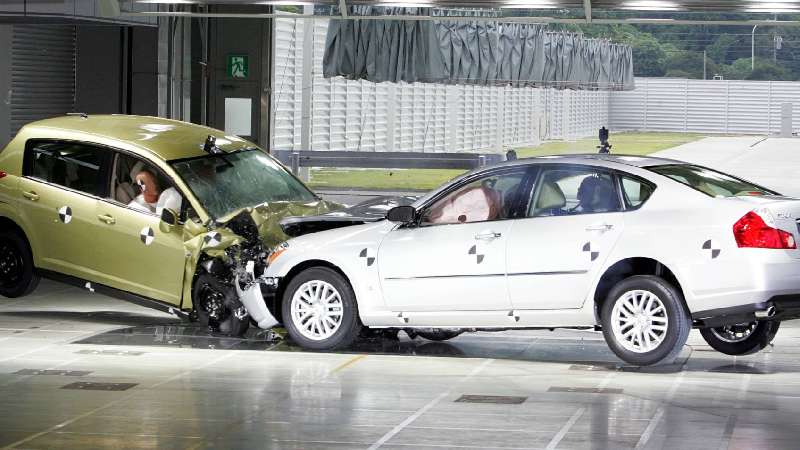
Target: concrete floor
[{"x": 190, "y": 390}]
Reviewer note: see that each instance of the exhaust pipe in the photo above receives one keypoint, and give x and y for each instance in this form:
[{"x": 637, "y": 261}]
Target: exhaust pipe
[{"x": 765, "y": 313}]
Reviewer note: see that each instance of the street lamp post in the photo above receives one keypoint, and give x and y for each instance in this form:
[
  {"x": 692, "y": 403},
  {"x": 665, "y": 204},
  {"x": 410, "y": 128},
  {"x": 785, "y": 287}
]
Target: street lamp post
[{"x": 753, "y": 49}]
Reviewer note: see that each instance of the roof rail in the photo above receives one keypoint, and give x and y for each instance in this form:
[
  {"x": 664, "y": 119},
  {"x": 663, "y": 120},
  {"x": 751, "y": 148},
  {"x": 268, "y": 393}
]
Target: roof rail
[{"x": 80, "y": 114}]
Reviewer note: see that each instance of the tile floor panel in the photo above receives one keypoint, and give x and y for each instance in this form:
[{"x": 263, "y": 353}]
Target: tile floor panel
[{"x": 197, "y": 391}]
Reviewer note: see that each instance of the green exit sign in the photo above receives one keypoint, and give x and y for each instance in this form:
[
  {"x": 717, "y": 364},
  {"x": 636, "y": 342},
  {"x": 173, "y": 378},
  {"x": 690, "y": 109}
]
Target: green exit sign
[{"x": 237, "y": 66}]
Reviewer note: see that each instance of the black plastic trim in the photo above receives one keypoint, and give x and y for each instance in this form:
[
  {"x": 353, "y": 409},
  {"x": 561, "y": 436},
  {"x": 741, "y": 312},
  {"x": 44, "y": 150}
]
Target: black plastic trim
[{"x": 140, "y": 300}]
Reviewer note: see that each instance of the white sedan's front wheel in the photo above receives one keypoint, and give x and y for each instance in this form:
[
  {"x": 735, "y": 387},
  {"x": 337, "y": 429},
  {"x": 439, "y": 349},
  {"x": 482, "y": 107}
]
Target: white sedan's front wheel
[
  {"x": 320, "y": 310},
  {"x": 644, "y": 321}
]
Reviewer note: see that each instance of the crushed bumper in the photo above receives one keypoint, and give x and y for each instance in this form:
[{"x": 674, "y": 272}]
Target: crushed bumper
[{"x": 253, "y": 296}]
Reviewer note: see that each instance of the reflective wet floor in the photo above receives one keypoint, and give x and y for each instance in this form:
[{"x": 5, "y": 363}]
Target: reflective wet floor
[{"x": 79, "y": 370}]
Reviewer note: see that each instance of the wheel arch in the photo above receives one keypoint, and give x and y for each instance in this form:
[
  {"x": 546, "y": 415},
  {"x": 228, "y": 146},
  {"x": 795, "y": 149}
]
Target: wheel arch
[
  {"x": 277, "y": 304},
  {"x": 627, "y": 267},
  {"x": 8, "y": 224}
]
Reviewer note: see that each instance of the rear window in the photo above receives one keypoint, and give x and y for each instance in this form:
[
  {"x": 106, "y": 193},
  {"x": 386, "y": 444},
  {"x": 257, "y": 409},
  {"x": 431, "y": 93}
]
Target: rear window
[
  {"x": 710, "y": 182},
  {"x": 73, "y": 165}
]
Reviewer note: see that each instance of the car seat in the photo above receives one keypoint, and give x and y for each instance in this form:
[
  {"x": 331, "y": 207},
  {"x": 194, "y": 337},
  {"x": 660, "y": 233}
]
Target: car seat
[
  {"x": 125, "y": 191},
  {"x": 551, "y": 200}
]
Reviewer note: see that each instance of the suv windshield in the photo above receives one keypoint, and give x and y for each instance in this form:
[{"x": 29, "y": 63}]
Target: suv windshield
[
  {"x": 710, "y": 182},
  {"x": 224, "y": 183}
]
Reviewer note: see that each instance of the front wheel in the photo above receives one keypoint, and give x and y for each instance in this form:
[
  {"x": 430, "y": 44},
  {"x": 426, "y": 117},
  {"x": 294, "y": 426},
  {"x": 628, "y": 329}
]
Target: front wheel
[
  {"x": 644, "y": 320},
  {"x": 218, "y": 306},
  {"x": 742, "y": 338},
  {"x": 320, "y": 310}
]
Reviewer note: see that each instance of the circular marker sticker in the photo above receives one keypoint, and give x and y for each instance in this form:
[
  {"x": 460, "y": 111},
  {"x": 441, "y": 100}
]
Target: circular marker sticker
[
  {"x": 65, "y": 214},
  {"x": 147, "y": 235}
]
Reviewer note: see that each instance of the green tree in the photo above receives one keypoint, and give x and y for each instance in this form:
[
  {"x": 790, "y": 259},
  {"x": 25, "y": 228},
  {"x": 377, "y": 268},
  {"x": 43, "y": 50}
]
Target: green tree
[
  {"x": 648, "y": 56},
  {"x": 720, "y": 50}
]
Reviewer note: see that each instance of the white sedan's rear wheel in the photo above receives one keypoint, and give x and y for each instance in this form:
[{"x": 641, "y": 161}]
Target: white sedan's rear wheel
[
  {"x": 320, "y": 310},
  {"x": 644, "y": 320}
]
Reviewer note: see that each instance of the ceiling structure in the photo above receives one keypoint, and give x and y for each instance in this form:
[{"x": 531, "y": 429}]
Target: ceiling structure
[{"x": 674, "y": 12}]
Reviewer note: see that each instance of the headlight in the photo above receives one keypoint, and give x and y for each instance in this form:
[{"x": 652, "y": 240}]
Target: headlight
[{"x": 277, "y": 252}]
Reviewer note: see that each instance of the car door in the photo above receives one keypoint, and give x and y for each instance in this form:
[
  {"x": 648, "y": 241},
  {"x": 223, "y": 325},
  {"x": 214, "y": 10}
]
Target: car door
[
  {"x": 573, "y": 220},
  {"x": 455, "y": 258},
  {"x": 140, "y": 254},
  {"x": 60, "y": 187}
]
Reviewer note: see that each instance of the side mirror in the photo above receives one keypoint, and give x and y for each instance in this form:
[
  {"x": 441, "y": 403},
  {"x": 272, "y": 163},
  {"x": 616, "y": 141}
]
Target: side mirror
[
  {"x": 169, "y": 216},
  {"x": 402, "y": 214}
]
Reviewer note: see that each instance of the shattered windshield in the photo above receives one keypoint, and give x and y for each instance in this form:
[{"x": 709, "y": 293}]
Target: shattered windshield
[{"x": 224, "y": 183}]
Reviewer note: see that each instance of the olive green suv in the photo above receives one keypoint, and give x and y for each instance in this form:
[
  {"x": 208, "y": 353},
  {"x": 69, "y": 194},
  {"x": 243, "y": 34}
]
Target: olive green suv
[{"x": 160, "y": 212}]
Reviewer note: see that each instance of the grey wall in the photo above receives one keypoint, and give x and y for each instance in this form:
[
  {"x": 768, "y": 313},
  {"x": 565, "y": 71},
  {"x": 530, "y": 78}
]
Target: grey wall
[
  {"x": 86, "y": 11},
  {"x": 98, "y": 78},
  {"x": 116, "y": 70},
  {"x": 5, "y": 84},
  {"x": 144, "y": 71}
]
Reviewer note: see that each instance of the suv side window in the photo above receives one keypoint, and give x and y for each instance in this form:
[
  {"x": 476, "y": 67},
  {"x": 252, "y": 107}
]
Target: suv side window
[
  {"x": 564, "y": 191},
  {"x": 70, "y": 164},
  {"x": 139, "y": 185},
  {"x": 493, "y": 197}
]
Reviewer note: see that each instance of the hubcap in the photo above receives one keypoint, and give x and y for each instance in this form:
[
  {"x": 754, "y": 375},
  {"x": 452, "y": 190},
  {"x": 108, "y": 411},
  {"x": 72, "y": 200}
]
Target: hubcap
[
  {"x": 317, "y": 310},
  {"x": 639, "y": 321},
  {"x": 10, "y": 264},
  {"x": 735, "y": 333}
]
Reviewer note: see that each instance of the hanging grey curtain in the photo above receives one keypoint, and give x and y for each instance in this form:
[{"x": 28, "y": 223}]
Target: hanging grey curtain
[{"x": 470, "y": 52}]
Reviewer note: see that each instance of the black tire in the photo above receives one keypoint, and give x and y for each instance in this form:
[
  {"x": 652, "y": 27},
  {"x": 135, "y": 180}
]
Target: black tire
[
  {"x": 439, "y": 334},
  {"x": 349, "y": 326},
  {"x": 18, "y": 277},
  {"x": 218, "y": 306},
  {"x": 741, "y": 339},
  {"x": 678, "y": 321}
]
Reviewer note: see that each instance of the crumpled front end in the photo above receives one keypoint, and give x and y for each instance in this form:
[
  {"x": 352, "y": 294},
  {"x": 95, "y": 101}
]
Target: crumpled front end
[{"x": 234, "y": 250}]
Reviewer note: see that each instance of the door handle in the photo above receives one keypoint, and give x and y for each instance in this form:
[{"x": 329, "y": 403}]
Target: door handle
[
  {"x": 107, "y": 219},
  {"x": 487, "y": 235},
  {"x": 603, "y": 227},
  {"x": 30, "y": 195}
]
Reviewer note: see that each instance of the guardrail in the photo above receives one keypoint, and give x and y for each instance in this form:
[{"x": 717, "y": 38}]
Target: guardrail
[{"x": 384, "y": 160}]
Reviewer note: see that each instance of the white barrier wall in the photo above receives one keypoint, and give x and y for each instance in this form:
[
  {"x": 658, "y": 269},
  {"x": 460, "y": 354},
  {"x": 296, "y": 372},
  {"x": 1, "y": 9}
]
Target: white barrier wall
[
  {"x": 707, "y": 106},
  {"x": 359, "y": 115}
]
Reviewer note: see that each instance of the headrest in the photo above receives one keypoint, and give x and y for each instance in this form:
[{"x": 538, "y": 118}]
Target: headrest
[{"x": 136, "y": 169}]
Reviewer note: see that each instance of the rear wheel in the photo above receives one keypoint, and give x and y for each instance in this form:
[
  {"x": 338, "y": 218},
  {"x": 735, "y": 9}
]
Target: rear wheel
[
  {"x": 742, "y": 338},
  {"x": 644, "y": 321},
  {"x": 218, "y": 306},
  {"x": 320, "y": 310},
  {"x": 17, "y": 274}
]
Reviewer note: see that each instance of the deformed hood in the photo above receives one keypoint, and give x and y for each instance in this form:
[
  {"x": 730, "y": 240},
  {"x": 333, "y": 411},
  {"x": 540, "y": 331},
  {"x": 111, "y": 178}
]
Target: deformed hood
[{"x": 371, "y": 210}]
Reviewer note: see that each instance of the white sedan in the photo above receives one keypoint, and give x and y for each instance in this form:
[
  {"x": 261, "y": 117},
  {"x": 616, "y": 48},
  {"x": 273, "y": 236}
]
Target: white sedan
[{"x": 642, "y": 248}]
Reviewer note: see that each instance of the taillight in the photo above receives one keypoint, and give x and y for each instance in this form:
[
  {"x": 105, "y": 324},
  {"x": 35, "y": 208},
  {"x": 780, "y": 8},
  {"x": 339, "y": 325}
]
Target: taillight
[
  {"x": 752, "y": 231},
  {"x": 2, "y": 174}
]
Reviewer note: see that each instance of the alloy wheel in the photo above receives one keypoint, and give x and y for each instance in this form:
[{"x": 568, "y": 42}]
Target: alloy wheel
[
  {"x": 639, "y": 321},
  {"x": 11, "y": 264},
  {"x": 735, "y": 333},
  {"x": 317, "y": 310}
]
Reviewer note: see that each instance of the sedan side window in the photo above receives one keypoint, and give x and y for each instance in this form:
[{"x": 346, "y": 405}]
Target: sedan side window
[
  {"x": 635, "y": 192},
  {"x": 568, "y": 191},
  {"x": 491, "y": 198},
  {"x": 72, "y": 165}
]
